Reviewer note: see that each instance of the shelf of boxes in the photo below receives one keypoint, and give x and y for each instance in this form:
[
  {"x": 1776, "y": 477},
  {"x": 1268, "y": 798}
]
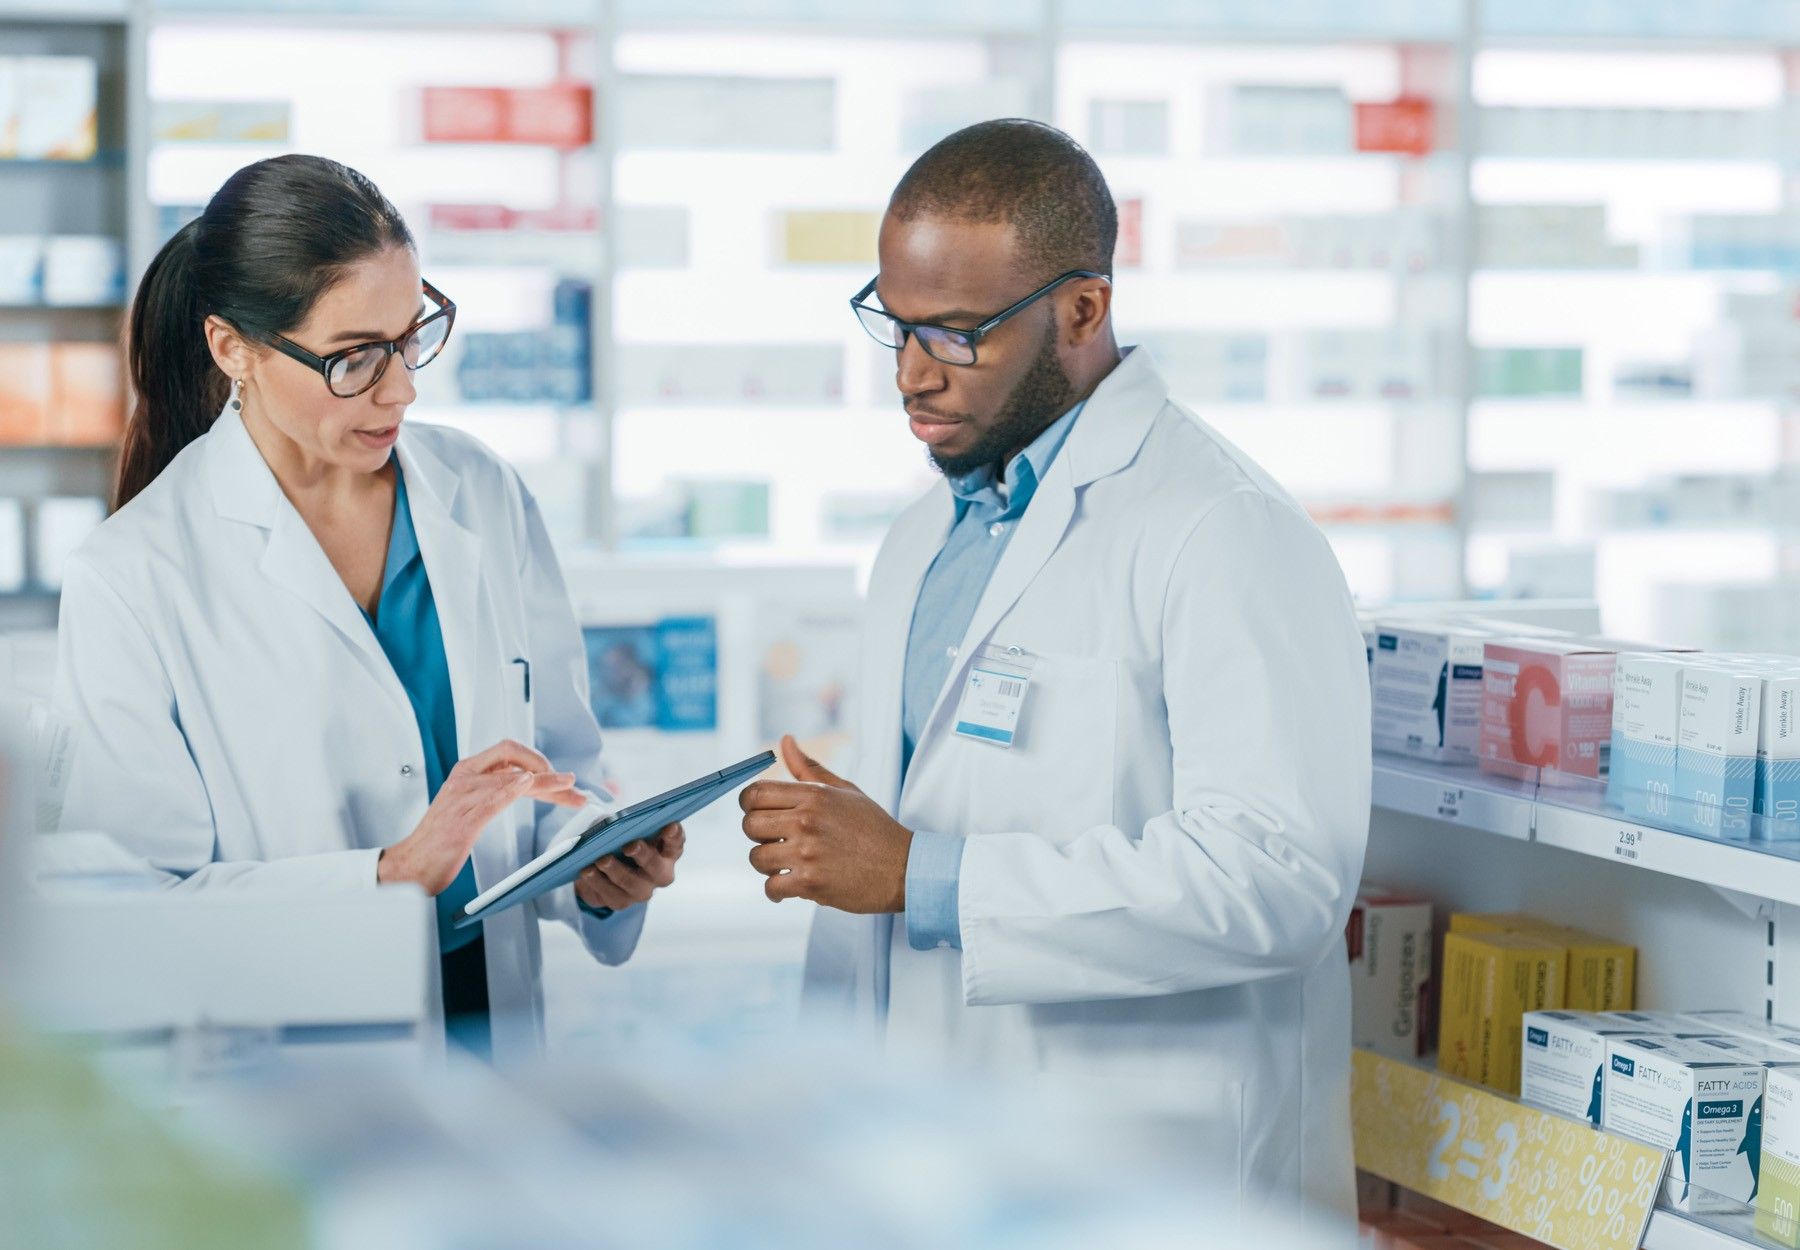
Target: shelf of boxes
[{"x": 1578, "y": 818}]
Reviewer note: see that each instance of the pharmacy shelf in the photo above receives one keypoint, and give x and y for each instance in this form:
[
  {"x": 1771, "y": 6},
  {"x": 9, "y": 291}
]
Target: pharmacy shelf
[
  {"x": 1456, "y": 796},
  {"x": 1584, "y": 824},
  {"x": 1576, "y": 817},
  {"x": 1670, "y": 1231}
]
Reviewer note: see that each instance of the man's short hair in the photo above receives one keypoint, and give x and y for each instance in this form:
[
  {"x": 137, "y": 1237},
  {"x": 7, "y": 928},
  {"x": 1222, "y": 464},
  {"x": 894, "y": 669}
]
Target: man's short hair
[{"x": 1026, "y": 173}]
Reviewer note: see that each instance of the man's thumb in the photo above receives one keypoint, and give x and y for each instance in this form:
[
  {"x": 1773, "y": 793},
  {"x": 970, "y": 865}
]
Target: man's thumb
[{"x": 804, "y": 767}]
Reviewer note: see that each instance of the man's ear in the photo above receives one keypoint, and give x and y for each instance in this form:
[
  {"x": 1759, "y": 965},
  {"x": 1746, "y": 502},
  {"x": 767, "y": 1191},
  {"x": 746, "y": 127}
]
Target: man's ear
[{"x": 1090, "y": 307}]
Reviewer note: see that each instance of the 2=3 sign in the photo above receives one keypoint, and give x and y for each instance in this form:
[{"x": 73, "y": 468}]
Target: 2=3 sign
[{"x": 1629, "y": 845}]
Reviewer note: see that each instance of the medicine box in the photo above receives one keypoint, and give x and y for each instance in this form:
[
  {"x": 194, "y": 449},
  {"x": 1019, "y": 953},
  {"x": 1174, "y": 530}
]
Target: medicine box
[
  {"x": 1546, "y": 705},
  {"x": 1564, "y": 1061},
  {"x": 1646, "y": 730},
  {"x": 1699, "y": 1098},
  {"x": 1599, "y": 973},
  {"x": 1489, "y": 982},
  {"x": 1715, "y": 767},
  {"x": 1389, "y": 937},
  {"x": 1426, "y": 692}
]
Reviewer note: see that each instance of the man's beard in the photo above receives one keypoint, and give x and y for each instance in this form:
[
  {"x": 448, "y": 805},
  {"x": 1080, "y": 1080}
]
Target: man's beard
[{"x": 1041, "y": 396}]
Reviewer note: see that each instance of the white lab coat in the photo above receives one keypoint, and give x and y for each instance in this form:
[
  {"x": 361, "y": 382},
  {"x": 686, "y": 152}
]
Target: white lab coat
[
  {"x": 240, "y": 726},
  {"x": 1157, "y": 874}
]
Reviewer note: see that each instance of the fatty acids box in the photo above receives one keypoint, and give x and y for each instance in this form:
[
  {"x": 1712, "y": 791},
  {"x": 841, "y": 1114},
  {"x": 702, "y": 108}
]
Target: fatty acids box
[
  {"x": 1565, "y": 1061},
  {"x": 1699, "y": 1098},
  {"x": 1389, "y": 937},
  {"x": 1489, "y": 982},
  {"x": 1546, "y": 703},
  {"x": 1426, "y": 697}
]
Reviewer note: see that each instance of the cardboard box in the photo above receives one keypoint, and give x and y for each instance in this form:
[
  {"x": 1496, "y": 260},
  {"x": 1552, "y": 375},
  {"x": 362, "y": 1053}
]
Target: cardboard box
[
  {"x": 1389, "y": 937},
  {"x": 1700, "y": 1099},
  {"x": 1745, "y": 1025},
  {"x": 24, "y": 393},
  {"x": 1777, "y": 799},
  {"x": 1489, "y": 981},
  {"x": 1778, "y": 1179},
  {"x": 1715, "y": 767},
  {"x": 1546, "y": 704},
  {"x": 1564, "y": 1063},
  {"x": 58, "y": 108},
  {"x": 1600, "y": 974},
  {"x": 1425, "y": 697},
  {"x": 87, "y": 395},
  {"x": 1646, "y": 731}
]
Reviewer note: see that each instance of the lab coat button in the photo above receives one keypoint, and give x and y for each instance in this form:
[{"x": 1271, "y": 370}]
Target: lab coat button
[
  {"x": 406, "y": 770},
  {"x": 996, "y": 529},
  {"x": 943, "y": 944},
  {"x": 950, "y": 651}
]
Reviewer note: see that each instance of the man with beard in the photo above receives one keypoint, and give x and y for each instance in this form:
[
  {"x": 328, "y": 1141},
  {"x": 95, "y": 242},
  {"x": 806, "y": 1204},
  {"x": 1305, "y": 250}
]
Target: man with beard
[{"x": 1114, "y": 749}]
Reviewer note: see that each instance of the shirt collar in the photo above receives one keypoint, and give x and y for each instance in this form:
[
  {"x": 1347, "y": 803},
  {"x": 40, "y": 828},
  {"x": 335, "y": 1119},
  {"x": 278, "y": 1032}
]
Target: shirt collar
[
  {"x": 403, "y": 544},
  {"x": 1024, "y": 471}
]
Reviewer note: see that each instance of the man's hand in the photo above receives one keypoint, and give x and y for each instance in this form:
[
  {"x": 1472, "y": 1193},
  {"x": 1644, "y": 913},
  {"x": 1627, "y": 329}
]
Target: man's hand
[{"x": 821, "y": 838}]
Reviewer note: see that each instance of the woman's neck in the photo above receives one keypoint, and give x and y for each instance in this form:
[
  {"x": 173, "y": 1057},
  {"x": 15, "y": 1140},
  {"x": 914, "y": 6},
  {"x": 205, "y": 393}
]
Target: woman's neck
[{"x": 309, "y": 481}]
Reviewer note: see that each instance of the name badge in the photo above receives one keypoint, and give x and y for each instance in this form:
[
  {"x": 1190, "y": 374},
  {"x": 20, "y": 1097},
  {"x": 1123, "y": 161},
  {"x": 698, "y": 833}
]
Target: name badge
[{"x": 994, "y": 695}]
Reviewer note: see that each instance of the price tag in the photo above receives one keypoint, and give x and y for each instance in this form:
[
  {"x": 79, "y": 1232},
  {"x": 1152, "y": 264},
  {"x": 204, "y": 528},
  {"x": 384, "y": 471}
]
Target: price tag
[
  {"x": 1449, "y": 804},
  {"x": 1629, "y": 845},
  {"x": 1547, "y": 1177}
]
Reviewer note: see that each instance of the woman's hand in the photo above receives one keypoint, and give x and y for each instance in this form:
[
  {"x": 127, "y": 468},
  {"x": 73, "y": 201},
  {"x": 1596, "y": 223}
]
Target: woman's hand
[
  {"x": 613, "y": 883},
  {"x": 477, "y": 790}
]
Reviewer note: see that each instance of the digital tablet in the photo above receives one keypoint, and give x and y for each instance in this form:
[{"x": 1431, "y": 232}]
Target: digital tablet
[{"x": 563, "y": 862}]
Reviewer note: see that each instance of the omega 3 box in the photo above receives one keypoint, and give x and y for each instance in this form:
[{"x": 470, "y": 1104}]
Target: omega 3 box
[
  {"x": 1565, "y": 1061},
  {"x": 1389, "y": 937},
  {"x": 1489, "y": 982},
  {"x": 1700, "y": 1099}
]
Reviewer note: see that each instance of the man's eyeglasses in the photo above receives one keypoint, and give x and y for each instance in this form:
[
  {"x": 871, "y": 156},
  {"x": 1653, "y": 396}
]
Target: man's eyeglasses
[
  {"x": 946, "y": 343},
  {"x": 355, "y": 369}
]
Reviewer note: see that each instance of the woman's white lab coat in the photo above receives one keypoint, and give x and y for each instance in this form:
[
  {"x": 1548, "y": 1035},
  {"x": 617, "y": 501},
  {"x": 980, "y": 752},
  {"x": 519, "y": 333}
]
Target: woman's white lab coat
[
  {"x": 1158, "y": 872},
  {"x": 240, "y": 726}
]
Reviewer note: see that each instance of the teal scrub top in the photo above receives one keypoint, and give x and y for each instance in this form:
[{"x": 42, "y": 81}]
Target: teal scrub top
[{"x": 406, "y": 626}]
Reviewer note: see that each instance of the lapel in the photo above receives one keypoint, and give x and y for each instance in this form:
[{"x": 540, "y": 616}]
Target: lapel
[
  {"x": 452, "y": 556},
  {"x": 918, "y": 536},
  {"x": 244, "y": 489},
  {"x": 1106, "y": 438}
]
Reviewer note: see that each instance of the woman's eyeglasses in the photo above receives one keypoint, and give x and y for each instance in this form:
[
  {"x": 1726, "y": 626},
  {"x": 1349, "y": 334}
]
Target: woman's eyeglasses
[{"x": 355, "y": 369}]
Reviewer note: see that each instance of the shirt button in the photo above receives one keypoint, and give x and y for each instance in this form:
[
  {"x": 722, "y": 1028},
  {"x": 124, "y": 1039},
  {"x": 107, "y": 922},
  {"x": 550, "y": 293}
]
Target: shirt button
[
  {"x": 996, "y": 529},
  {"x": 406, "y": 770},
  {"x": 943, "y": 944}
]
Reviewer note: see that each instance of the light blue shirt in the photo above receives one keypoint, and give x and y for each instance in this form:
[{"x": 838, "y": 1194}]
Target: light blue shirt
[
  {"x": 987, "y": 513},
  {"x": 406, "y": 626}
]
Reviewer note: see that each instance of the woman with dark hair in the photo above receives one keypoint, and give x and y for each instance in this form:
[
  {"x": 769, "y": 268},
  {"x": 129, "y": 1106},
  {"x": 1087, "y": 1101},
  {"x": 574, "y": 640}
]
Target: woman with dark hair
[{"x": 319, "y": 647}]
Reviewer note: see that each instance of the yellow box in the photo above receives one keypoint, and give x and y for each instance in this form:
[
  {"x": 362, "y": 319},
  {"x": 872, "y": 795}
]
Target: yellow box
[
  {"x": 829, "y": 237},
  {"x": 1489, "y": 982},
  {"x": 1601, "y": 974}
]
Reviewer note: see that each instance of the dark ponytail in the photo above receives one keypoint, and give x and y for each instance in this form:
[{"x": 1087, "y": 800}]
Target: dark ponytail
[{"x": 275, "y": 237}]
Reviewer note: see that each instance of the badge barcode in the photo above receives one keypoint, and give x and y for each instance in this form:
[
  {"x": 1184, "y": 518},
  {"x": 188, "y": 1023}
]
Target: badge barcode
[{"x": 1011, "y": 689}]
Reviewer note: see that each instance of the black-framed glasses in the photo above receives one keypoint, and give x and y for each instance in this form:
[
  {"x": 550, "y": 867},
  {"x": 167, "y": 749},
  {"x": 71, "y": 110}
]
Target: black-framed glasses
[
  {"x": 946, "y": 343},
  {"x": 355, "y": 369}
]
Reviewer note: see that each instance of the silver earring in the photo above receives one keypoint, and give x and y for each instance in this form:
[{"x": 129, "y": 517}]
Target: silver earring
[{"x": 237, "y": 394}]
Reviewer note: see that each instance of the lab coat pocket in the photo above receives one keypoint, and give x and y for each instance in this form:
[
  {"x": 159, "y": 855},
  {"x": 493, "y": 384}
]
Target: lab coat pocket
[{"x": 1057, "y": 777}]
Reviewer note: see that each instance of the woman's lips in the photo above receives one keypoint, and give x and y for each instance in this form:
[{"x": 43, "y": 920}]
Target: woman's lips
[{"x": 379, "y": 439}]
